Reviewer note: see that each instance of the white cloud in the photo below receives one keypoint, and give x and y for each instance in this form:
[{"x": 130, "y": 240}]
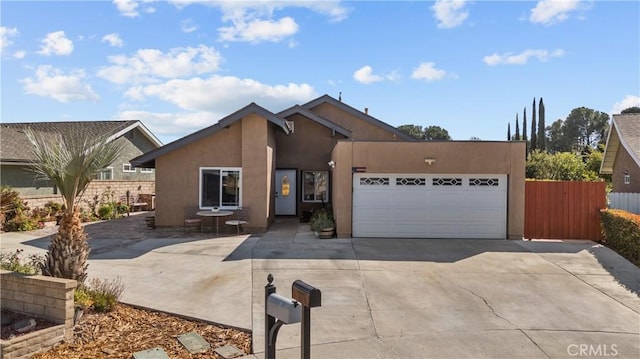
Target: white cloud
[
  {"x": 127, "y": 8},
  {"x": 428, "y": 71},
  {"x": 19, "y": 54},
  {"x": 150, "y": 64},
  {"x": 255, "y": 22},
  {"x": 6, "y": 33},
  {"x": 627, "y": 101},
  {"x": 175, "y": 125},
  {"x": 549, "y": 12},
  {"x": 53, "y": 83},
  {"x": 223, "y": 93},
  {"x": 521, "y": 58},
  {"x": 365, "y": 75},
  {"x": 450, "y": 13},
  {"x": 113, "y": 39},
  {"x": 259, "y": 30},
  {"x": 189, "y": 26},
  {"x": 55, "y": 43}
]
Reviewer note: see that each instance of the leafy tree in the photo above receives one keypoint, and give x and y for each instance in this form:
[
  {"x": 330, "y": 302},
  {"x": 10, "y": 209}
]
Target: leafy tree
[
  {"x": 534, "y": 133},
  {"x": 585, "y": 127},
  {"x": 474, "y": 138},
  {"x": 541, "y": 128},
  {"x": 412, "y": 130},
  {"x": 555, "y": 138},
  {"x": 436, "y": 133},
  {"x": 517, "y": 129},
  {"x": 563, "y": 166},
  {"x": 70, "y": 161},
  {"x": 634, "y": 109},
  {"x": 509, "y": 131}
]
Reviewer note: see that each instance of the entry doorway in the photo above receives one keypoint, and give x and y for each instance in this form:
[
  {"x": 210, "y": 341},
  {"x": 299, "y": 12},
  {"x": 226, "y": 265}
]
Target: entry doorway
[{"x": 286, "y": 192}]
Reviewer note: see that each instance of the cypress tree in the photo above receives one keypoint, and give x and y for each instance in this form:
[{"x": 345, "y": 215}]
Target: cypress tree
[
  {"x": 517, "y": 129},
  {"x": 534, "y": 139},
  {"x": 508, "y": 131},
  {"x": 541, "y": 130},
  {"x": 524, "y": 131}
]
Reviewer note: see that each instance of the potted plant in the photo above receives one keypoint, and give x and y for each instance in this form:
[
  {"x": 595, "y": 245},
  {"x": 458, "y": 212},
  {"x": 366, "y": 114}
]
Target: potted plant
[{"x": 322, "y": 223}]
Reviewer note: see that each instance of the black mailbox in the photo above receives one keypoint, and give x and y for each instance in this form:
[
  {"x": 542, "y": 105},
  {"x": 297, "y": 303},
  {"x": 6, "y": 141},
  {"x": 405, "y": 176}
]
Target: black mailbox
[{"x": 308, "y": 295}]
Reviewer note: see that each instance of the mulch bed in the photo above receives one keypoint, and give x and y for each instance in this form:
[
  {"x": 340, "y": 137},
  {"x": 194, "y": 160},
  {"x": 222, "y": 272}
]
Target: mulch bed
[
  {"x": 127, "y": 330},
  {"x": 9, "y": 333}
]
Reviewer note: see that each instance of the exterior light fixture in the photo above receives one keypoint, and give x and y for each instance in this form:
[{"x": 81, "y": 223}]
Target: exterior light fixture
[
  {"x": 332, "y": 164},
  {"x": 430, "y": 161},
  {"x": 627, "y": 178}
]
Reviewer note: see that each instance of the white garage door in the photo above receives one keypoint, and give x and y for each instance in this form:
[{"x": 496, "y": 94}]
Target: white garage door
[{"x": 429, "y": 206}]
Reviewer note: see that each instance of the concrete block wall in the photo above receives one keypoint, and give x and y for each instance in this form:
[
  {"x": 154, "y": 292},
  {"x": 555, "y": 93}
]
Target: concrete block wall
[
  {"x": 43, "y": 297},
  {"x": 98, "y": 187}
]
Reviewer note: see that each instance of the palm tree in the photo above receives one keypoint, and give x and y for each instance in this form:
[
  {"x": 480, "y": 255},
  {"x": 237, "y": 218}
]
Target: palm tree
[{"x": 70, "y": 162}]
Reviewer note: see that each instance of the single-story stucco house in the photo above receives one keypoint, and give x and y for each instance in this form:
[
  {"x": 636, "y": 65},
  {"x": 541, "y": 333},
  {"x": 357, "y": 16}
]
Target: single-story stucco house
[
  {"x": 121, "y": 176},
  {"x": 621, "y": 157},
  {"x": 379, "y": 181}
]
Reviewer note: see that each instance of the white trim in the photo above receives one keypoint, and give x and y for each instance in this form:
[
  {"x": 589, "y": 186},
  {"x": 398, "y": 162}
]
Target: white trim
[
  {"x": 110, "y": 168},
  {"x": 221, "y": 169},
  {"x": 143, "y": 129},
  {"x": 131, "y": 169}
]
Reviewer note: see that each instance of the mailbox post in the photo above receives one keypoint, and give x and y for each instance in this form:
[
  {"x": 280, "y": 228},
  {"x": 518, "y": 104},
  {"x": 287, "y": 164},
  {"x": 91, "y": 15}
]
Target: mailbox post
[
  {"x": 279, "y": 310},
  {"x": 309, "y": 297}
]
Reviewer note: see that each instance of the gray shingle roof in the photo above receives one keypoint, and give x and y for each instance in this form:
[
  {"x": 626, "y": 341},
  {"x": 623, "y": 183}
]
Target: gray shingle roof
[
  {"x": 628, "y": 126},
  {"x": 15, "y": 147},
  {"x": 625, "y": 132}
]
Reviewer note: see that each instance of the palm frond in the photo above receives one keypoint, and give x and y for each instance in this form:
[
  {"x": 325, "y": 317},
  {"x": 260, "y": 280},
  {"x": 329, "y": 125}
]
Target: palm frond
[{"x": 70, "y": 161}]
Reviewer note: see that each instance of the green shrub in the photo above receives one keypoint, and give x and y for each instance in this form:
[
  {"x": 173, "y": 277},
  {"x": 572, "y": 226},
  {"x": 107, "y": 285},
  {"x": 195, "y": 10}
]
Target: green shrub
[
  {"x": 621, "y": 232},
  {"x": 100, "y": 294},
  {"x": 105, "y": 211},
  {"x": 22, "y": 223},
  {"x": 322, "y": 219},
  {"x": 13, "y": 262}
]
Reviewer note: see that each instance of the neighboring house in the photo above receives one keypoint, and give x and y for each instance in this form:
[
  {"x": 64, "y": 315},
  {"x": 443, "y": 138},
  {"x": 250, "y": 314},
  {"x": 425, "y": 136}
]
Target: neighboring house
[
  {"x": 622, "y": 153},
  {"x": 379, "y": 181},
  {"x": 15, "y": 156}
]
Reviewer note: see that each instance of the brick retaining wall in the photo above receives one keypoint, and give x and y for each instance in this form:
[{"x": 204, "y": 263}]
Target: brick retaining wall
[{"x": 43, "y": 297}]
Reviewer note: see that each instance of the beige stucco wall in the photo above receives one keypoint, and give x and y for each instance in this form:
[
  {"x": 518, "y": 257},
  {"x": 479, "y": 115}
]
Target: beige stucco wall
[
  {"x": 308, "y": 148},
  {"x": 178, "y": 172},
  {"x": 624, "y": 162},
  {"x": 360, "y": 130},
  {"x": 408, "y": 157}
]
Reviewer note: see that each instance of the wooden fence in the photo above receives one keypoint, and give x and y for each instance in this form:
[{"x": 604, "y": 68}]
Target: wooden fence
[
  {"x": 563, "y": 209},
  {"x": 629, "y": 202}
]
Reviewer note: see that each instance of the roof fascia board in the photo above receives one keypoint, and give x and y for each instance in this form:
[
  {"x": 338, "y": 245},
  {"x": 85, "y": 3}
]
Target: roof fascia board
[
  {"x": 145, "y": 131},
  {"x": 609, "y": 152},
  {"x": 366, "y": 117},
  {"x": 318, "y": 119},
  {"x": 208, "y": 131}
]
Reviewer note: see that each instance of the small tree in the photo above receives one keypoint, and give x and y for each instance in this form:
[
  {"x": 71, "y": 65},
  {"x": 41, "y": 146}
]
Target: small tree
[
  {"x": 70, "y": 161},
  {"x": 541, "y": 128},
  {"x": 524, "y": 132},
  {"x": 509, "y": 131},
  {"x": 534, "y": 133},
  {"x": 517, "y": 129}
]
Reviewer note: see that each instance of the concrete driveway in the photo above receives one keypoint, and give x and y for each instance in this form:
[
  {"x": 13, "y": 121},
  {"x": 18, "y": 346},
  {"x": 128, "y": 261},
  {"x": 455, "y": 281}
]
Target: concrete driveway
[{"x": 386, "y": 298}]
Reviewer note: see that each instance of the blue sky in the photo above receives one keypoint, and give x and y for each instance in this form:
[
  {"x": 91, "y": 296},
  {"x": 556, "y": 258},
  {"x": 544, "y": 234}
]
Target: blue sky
[{"x": 179, "y": 66}]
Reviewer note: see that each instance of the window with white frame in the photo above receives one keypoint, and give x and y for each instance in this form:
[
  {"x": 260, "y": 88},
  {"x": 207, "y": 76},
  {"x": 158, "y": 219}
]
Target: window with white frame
[
  {"x": 127, "y": 167},
  {"x": 220, "y": 187},
  {"x": 146, "y": 170},
  {"x": 104, "y": 174},
  {"x": 315, "y": 186}
]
